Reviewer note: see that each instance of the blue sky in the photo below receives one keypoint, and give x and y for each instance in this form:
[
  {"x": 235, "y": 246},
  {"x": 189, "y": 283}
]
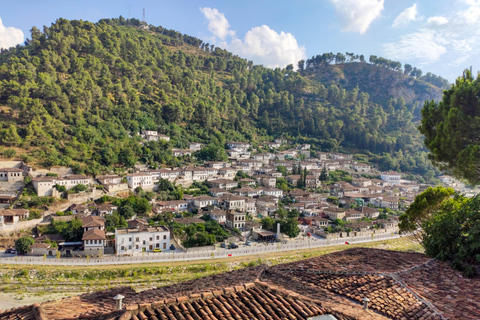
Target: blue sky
[{"x": 440, "y": 36}]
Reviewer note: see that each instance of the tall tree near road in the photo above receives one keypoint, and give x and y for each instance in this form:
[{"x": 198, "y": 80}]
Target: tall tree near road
[{"x": 452, "y": 129}]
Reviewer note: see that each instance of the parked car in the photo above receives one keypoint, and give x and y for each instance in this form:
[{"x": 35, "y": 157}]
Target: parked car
[
  {"x": 172, "y": 247},
  {"x": 8, "y": 251},
  {"x": 13, "y": 251},
  {"x": 309, "y": 234},
  {"x": 233, "y": 246},
  {"x": 157, "y": 250},
  {"x": 223, "y": 245},
  {"x": 247, "y": 243}
]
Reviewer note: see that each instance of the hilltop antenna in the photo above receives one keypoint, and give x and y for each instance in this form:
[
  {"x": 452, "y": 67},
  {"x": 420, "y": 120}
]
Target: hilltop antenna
[
  {"x": 143, "y": 16},
  {"x": 129, "y": 10}
]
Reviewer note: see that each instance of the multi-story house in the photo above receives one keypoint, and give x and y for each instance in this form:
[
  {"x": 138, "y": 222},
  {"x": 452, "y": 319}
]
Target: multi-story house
[
  {"x": 239, "y": 146},
  {"x": 222, "y": 184},
  {"x": 218, "y": 215},
  {"x": 335, "y": 213},
  {"x": 140, "y": 179},
  {"x": 194, "y": 146},
  {"x": 93, "y": 238},
  {"x": 235, "y": 219},
  {"x": 271, "y": 191},
  {"x": 232, "y": 202},
  {"x": 201, "y": 202},
  {"x": 391, "y": 177},
  {"x": 171, "y": 206},
  {"x": 11, "y": 174},
  {"x": 44, "y": 185},
  {"x": 141, "y": 239}
]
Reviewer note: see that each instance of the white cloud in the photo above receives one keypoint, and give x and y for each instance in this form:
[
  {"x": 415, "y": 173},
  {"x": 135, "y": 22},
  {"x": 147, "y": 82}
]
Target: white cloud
[
  {"x": 265, "y": 46},
  {"x": 217, "y": 23},
  {"x": 473, "y": 3},
  {"x": 261, "y": 44},
  {"x": 357, "y": 15},
  {"x": 453, "y": 37},
  {"x": 10, "y": 37},
  {"x": 423, "y": 45},
  {"x": 407, "y": 15},
  {"x": 437, "y": 21}
]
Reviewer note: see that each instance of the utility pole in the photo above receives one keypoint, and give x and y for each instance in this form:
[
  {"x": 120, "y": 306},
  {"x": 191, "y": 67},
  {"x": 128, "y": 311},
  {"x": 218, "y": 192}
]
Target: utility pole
[{"x": 143, "y": 16}]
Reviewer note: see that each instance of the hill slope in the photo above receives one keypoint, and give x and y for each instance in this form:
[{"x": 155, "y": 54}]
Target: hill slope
[
  {"x": 75, "y": 91},
  {"x": 380, "y": 83}
]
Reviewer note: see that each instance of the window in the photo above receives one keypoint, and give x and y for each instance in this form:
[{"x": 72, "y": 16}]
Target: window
[
  {"x": 151, "y": 239},
  {"x": 137, "y": 239},
  {"x": 158, "y": 237},
  {"x": 136, "y": 246},
  {"x": 129, "y": 247},
  {"x": 164, "y": 236},
  {"x": 158, "y": 245},
  {"x": 122, "y": 248}
]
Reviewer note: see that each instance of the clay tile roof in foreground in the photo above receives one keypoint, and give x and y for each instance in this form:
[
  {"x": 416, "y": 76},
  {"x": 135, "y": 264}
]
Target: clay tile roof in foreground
[
  {"x": 250, "y": 301},
  {"x": 400, "y": 285}
]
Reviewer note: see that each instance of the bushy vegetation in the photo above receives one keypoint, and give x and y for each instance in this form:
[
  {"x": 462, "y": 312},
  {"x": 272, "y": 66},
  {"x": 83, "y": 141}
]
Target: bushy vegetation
[{"x": 23, "y": 244}]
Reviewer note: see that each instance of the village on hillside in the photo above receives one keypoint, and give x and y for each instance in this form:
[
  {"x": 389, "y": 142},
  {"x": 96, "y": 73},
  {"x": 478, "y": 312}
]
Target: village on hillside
[{"x": 256, "y": 196}]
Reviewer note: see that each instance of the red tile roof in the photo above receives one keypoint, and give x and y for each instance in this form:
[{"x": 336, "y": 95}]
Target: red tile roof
[
  {"x": 92, "y": 222},
  {"x": 94, "y": 234},
  {"x": 400, "y": 285}
]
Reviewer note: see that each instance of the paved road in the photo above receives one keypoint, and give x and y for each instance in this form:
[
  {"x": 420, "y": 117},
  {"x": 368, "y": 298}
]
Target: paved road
[{"x": 255, "y": 249}]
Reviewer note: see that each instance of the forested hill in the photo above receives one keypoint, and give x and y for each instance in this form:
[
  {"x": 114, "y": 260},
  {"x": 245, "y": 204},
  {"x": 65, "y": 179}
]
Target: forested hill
[
  {"x": 379, "y": 82},
  {"x": 72, "y": 94}
]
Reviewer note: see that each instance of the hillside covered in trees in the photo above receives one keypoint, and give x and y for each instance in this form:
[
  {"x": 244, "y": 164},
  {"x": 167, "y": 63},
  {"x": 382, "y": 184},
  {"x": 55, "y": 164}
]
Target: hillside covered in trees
[{"x": 73, "y": 93}]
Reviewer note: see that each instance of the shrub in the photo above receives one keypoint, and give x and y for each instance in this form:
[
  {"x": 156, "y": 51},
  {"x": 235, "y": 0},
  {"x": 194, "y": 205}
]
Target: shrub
[{"x": 23, "y": 244}]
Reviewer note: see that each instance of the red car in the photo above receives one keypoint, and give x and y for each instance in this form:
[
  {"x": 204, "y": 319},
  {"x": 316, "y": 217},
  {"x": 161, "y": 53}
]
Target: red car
[
  {"x": 346, "y": 242},
  {"x": 309, "y": 234}
]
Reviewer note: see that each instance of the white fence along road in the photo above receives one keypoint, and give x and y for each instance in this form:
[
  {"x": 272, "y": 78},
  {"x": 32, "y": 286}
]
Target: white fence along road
[{"x": 242, "y": 250}]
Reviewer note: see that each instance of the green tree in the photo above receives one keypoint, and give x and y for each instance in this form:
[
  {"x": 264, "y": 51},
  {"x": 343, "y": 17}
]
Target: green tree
[
  {"x": 422, "y": 208},
  {"x": 452, "y": 126},
  {"x": 453, "y": 234},
  {"x": 126, "y": 211},
  {"x": 324, "y": 174},
  {"x": 9, "y": 153},
  {"x": 268, "y": 223},
  {"x": 23, "y": 244}
]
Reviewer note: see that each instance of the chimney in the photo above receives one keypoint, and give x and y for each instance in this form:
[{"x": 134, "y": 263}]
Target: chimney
[
  {"x": 278, "y": 230},
  {"x": 365, "y": 303},
  {"x": 118, "y": 299}
]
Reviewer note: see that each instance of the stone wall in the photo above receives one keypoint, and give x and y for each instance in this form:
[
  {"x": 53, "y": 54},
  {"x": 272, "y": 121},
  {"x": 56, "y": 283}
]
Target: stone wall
[
  {"x": 84, "y": 196},
  {"x": 22, "y": 225},
  {"x": 112, "y": 188}
]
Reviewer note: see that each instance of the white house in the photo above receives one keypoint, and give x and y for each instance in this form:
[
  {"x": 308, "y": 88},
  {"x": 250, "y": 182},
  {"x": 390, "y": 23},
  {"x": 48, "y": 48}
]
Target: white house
[
  {"x": 93, "y": 238},
  {"x": 218, "y": 215},
  {"x": 44, "y": 185},
  {"x": 12, "y": 216},
  {"x": 139, "y": 180},
  {"x": 11, "y": 174},
  {"x": 391, "y": 177},
  {"x": 271, "y": 191},
  {"x": 239, "y": 146},
  {"x": 194, "y": 146},
  {"x": 141, "y": 239}
]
